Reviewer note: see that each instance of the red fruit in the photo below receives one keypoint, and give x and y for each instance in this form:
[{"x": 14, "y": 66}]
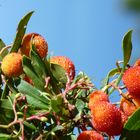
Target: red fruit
[
  {"x": 66, "y": 63},
  {"x": 97, "y": 96},
  {"x": 127, "y": 107},
  {"x": 131, "y": 79},
  {"x": 38, "y": 41},
  {"x": 107, "y": 118},
  {"x": 124, "y": 117},
  {"x": 90, "y": 135}
]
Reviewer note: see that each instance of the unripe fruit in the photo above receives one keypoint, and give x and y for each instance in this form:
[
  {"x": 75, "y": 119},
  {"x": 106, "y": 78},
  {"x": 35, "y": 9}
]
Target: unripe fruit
[
  {"x": 131, "y": 79},
  {"x": 107, "y": 118},
  {"x": 90, "y": 135},
  {"x": 127, "y": 107},
  {"x": 66, "y": 63},
  {"x": 38, "y": 41},
  {"x": 12, "y": 65},
  {"x": 97, "y": 96}
]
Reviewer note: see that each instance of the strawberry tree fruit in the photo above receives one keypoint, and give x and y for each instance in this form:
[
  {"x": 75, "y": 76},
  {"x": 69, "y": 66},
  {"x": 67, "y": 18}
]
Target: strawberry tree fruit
[
  {"x": 12, "y": 65},
  {"x": 97, "y": 96},
  {"x": 107, "y": 118},
  {"x": 42, "y": 98},
  {"x": 90, "y": 135},
  {"x": 38, "y": 41},
  {"x": 131, "y": 79},
  {"x": 127, "y": 106}
]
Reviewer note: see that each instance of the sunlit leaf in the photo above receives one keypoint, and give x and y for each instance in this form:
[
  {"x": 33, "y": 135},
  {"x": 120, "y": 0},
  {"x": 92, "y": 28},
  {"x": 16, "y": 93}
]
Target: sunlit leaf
[
  {"x": 21, "y": 31},
  {"x": 127, "y": 47},
  {"x": 131, "y": 130},
  {"x": 38, "y": 64},
  {"x": 34, "y": 96},
  {"x": 30, "y": 72},
  {"x": 60, "y": 74}
]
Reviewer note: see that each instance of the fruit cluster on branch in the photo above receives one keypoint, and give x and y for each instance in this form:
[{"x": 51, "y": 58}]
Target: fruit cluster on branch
[{"x": 42, "y": 98}]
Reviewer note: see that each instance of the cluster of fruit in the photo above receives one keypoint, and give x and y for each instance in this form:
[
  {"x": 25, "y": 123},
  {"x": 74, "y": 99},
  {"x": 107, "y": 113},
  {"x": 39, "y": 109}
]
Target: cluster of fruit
[
  {"x": 12, "y": 63},
  {"x": 109, "y": 118},
  {"x": 65, "y": 100}
]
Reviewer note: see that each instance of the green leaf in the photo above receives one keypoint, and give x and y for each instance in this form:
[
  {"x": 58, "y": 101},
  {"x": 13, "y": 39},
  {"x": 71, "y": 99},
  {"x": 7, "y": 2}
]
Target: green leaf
[
  {"x": 34, "y": 96},
  {"x": 5, "y": 136},
  {"x": 80, "y": 105},
  {"x": 60, "y": 74},
  {"x": 112, "y": 73},
  {"x": 29, "y": 125},
  {"x": 131, "y": 130},
  {"x": 54, "y": 83},
  {"x": 38, "y": 64},
  {"x": 5, "y": 104},
  {"x": 5, "y": 52},
  {"x": 56, "y": 102},
  {"x": 21, "y": 31},
  {"x": 127, "y": 47},
  {"x": 70, "y": 137},
  {"x": 29, "y": 71},
  {"x": 57, "y": 128}
]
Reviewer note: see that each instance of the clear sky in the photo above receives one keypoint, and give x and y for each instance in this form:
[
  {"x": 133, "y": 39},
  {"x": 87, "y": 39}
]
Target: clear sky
[{"x": 89, "y": 32}]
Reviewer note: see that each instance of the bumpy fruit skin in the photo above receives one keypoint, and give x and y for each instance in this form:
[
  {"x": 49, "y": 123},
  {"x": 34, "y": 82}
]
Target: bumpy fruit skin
[
  {"x": 107, "y": 118},
  {"x": 38, "y": 41},
  {"x": 90, "y": 135},
  {"x": 131, "y": 79},
  {"x": 127, "y": 107},
  {"x": 124, "y": 117},
  {"x": 97, "y": 96},
  {"x": 12, "y": 65},
  {"x": 66, "y": 63}
]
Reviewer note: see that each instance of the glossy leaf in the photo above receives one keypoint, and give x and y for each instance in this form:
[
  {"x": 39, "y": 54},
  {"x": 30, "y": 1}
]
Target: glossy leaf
[
  {"x": 34, "y": 96},
  {"x": 21, "y": 31},
  {"x": 131, "y": 130},
  {"x": 127, "y": 47},
  {"x": 30, "y": 72},
  {"x": 38, "y": 64},
  {"x": 60, "y": 74}
]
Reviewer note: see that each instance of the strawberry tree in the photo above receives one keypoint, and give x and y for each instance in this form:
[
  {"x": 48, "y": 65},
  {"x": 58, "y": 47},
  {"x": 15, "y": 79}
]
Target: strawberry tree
[{"x": 42, "y": 98}]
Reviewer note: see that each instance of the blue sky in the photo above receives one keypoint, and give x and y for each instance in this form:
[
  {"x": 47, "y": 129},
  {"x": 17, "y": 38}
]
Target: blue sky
[{"x": 87, "y": 31}]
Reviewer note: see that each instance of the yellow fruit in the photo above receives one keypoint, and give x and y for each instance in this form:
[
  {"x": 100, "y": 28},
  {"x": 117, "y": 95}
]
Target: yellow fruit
[
  {"x": 12, "y": 65},
  {"x": 38, "y": 41}
]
